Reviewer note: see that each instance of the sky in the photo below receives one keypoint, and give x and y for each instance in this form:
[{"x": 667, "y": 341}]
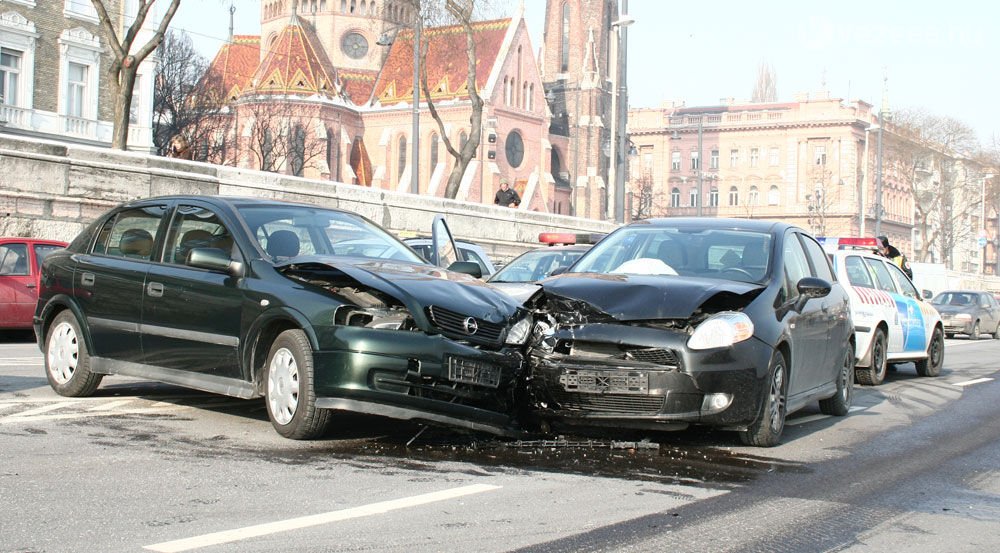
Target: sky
[{"x": 940, "y": 57}]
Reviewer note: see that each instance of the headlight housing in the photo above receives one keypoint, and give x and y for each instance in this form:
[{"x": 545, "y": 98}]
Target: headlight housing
[
  {"x": 721, "y": 330},
  {"x": 519, "y": 332}
]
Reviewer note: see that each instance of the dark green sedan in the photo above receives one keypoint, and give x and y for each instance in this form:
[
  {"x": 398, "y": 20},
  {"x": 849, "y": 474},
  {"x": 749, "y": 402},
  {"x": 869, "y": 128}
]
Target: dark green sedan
[{"x": 252, "y": 298}]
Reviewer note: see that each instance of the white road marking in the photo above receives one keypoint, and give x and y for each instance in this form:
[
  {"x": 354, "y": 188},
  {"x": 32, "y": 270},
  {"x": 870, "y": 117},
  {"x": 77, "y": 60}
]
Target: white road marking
[
  {"x": 40, "y": 410},
  {"x": 856, "y": 408},
  {"x": 804, "y": 420},
  {"x": 381, "y": 507},
  {"x": 972, "y": 382},
  {"x": 111, "y": 405}
]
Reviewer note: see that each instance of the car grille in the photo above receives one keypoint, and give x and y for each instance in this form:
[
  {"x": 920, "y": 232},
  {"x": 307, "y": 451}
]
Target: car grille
[
  {"x": 455, "y": 323},
  {"x": 658, "y": 356},
  {"x": 625, "y": 404}
]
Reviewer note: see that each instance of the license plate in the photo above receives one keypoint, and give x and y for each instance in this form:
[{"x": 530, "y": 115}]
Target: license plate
[
  {"x": 471, "y": 371},
  {"x": 605, "y": 382}
]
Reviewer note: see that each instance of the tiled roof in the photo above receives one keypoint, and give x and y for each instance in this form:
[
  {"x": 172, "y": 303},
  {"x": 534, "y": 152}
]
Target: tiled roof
[
  {"x": 357, "y": 84},
  {"x": 230, "y": 72},
  {"x": 295, "y": 65},
  {"x": 447, "y": 65}
]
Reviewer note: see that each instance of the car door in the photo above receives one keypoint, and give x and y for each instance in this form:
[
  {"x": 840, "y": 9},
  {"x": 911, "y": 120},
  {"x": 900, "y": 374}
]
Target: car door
[
  {"x": 805, "y": 320},
  {"x": 18, "y": 287},
  {"x": 834, "y": 311},
  {"x": 895, "y": 341},
  {"x": 109, "y": 280},
  {"x": 913, "y": 326},
  {"x": 191, "y": 317}
]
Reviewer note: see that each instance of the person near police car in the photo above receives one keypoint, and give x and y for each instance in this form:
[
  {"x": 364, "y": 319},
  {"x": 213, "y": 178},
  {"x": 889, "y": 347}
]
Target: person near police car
[{"x": 893, "y": 254}]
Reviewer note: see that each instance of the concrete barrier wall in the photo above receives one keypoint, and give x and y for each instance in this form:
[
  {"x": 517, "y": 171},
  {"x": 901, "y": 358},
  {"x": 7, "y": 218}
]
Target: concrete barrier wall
[{"x": 53, "y": 190}]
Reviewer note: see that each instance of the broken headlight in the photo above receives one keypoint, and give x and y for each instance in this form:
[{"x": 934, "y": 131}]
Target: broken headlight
[
  {"x": 519, "y": 332},
  {"x": 721, "y": 330}
]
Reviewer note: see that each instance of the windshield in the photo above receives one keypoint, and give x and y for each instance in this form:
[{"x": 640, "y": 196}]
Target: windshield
[
  {"x": 535, "y": 265},
  {"x": 286, "y": 231},
  {"x": 724, "y": 254},
  {"x": 958, "y": 299}
]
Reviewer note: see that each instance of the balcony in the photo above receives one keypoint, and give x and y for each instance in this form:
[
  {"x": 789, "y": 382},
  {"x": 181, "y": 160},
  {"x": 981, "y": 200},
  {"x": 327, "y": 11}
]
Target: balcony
[
  {"x": 81, "y": 127},
  {"x": 14, "y": 116}
]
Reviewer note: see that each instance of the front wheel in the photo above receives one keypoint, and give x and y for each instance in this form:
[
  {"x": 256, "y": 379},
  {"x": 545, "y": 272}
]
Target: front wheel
[
  {"x": 996, "y": 332},
  {"x": 291, "y": 396},
  {"x": 766, "y": 430},
  {"x": 874, "y": 374},
  {"x": 974, "y": 335},
  {"x": 931, "y": 365},
  {"x": 67, "y": 360},
  {"x": 840, "y": 403}
]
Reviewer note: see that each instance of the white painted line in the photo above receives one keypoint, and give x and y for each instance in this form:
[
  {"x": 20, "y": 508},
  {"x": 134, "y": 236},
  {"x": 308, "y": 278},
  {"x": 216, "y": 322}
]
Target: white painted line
[
  {"x": 857, "y": 408},
  {"x": 40, "y": 410},
  {"x": 91, "y": 413},
  {"x": 804, "y": 420},
  {"x": 971, "y": 382},
  {"x": 111, "y": 405},
  {"x": 381, "y": 507}
]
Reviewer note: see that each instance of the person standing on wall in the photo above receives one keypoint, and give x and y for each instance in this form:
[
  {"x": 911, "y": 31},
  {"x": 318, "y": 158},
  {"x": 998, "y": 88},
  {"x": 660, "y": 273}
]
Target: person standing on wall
[{"x": 506, "y": 196}]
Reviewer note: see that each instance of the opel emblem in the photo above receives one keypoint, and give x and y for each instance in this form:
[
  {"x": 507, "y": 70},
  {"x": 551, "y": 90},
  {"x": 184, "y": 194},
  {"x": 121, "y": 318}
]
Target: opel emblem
[{"x": 470, "y": 325}]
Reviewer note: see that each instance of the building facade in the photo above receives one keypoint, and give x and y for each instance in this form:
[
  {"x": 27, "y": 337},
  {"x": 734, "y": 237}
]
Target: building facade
[{"x": 53, "y": 72}]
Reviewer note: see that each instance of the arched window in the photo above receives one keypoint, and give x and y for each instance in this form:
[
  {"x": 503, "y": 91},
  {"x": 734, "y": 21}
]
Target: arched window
[
  {"x": 675, "y": 197},
  {"x": 773, "y": 196},
  {"x": 524, "y": 95},
  {"x": 343, "y": 6},
  {"x": 531, "y": 95},
  {"x": 734, "y": 195},
  {"x": 508, "y": 90},
  {"x": 434, "y": 153},
  {"x": 401, "y": 158},
  {"x": 754, "y": 197},
  {"x": 564, "y": 43},
  {"x": 333, "y": 154},
  {"x": 354, "y": 6}
]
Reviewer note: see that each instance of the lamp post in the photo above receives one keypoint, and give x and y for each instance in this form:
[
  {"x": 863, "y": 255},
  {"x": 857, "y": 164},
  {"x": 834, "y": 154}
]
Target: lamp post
[
  {"x": 384, "y": 40},
  {"x": 701, "y": 179},
  {"x": 619, "y": 111}
]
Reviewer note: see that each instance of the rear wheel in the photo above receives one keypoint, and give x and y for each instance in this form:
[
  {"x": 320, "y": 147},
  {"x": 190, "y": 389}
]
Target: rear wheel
[
  {"x": 874, "y": 374},
  {"x": 996, "y": 332},
  {"x": 931, "y": 365},
  {"x": 766, "y": 430},
  {"x": 840, "y": 403},
  {"x": 291, "y": 396},
  {"x": 67, "y": 361},
  {"x": 974, "y": 335}
]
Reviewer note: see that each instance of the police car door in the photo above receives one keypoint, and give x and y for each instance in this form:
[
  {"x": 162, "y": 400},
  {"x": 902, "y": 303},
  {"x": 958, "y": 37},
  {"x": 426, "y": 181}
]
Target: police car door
[
  {"x": 917, "y": 328},
  {"x": 884, "y": 283}
]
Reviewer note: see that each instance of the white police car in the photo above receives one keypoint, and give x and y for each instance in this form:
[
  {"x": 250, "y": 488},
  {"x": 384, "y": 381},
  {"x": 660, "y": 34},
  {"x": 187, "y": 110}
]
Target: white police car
[{"x": 892, "y": 323}]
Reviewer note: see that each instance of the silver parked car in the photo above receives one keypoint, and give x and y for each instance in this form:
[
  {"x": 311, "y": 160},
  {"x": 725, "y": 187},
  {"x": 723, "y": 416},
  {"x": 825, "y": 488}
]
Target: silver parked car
[{"x": 971, "y": 312}]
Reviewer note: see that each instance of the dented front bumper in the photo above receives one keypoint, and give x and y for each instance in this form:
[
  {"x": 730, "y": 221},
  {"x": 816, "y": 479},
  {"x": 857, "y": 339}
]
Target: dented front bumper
[{"x": 644, "y": 377}]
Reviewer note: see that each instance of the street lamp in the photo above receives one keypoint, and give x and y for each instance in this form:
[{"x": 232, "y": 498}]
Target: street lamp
[
  {"x": 864, "y": 181},
  {"x": 619, "y": 114},
  {"x": 385, "y": 40},
  {"x": 883, "y": 114}
]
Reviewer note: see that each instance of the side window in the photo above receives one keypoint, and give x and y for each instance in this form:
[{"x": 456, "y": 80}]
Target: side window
[
  {"x": 41, "y": 252},
  {"x": 820, "y": 263},
  {"x": 983, "y": 302},
  {"x": 14, "y": 260},
  {"x": 796, "y": 265},
  {"x": 857, "y": 272},
  {"x": 882, "y": 278},
  {"x": 131, "y": 233},
  {"x": 196, "y": 227},
  {"x": 907, "y": 287}
]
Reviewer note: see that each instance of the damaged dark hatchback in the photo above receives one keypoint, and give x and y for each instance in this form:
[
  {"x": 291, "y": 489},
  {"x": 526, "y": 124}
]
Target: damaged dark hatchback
[
  {"x": 260, "y": 298},
  {"x": 672, "y": 322}
]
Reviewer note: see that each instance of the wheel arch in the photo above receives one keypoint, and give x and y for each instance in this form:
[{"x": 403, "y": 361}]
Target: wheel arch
[
  {"x": 262, "y": 334},
  {"x": 53, "y": 308}
]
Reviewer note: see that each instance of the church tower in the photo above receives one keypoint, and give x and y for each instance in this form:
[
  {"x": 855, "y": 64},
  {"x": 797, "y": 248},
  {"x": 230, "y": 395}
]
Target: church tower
[
  {"x": 349, "y": 30},
  {"x": 575, "y": 73}
]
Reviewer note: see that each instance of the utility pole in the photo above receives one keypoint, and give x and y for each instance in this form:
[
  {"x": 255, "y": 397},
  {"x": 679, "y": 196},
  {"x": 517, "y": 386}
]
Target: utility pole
[
  {"x": 701, "y": 193},
  {"x": 414, "y": 161},
  {"x": 878, "y": 176}
]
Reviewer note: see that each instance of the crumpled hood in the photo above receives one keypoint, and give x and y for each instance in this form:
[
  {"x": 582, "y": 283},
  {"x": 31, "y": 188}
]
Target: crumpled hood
[
  {"x": 416, "y": 285},
  {"x": 643, "y": 297}
]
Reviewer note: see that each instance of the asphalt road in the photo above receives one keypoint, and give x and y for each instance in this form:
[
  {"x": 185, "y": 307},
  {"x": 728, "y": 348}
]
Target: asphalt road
[{"x": 148, "y": 467}]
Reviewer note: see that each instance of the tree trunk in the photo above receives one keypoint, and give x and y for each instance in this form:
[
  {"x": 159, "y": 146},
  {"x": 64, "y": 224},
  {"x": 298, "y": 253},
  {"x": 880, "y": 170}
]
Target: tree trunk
[{"x": 123, "y": 106}]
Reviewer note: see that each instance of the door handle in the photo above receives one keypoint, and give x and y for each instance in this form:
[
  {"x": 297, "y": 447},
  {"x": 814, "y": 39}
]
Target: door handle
[
  {"x": 29, "y": 285},
  {"x": 87, "y": 279},
  {"x": 154, "y": 289}
]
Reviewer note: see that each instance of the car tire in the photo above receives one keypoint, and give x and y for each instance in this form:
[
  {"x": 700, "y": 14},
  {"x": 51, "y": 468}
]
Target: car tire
[
  {"x": 974, "y": 335},
  {"x": 67, "y": 360},
  {"x": 874, "y": 374},
  {"x": 766, "y": 430},
  {"x": 840, "y": 403},
  {"x": 950, "y": 335},
  {"x": 931, "y": 365},
  {"x": 291, "y": 396},
  {"x": 996, "y": 333}
]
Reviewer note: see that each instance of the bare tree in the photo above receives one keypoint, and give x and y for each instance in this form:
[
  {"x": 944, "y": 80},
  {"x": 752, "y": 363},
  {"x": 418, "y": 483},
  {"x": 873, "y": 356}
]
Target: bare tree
[
  {"x": 125, "y": 62},
  {"x": 647, "y": 202},
  {"x": 766, "y": 87},
  {"x": 279, "y": 138},
  {"x": 177, "y": 106}
]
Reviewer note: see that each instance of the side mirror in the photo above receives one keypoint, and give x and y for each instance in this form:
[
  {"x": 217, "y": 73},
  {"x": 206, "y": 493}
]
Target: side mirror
[
  {"x": 812, "y": 287},
  {"x": 444, "y": 253},
  {"x": 214, "y": 259},
  {"x": 926, "y": 294},
  {"x": 558, "y": 271},
  {"x": 467, "y": 267}
]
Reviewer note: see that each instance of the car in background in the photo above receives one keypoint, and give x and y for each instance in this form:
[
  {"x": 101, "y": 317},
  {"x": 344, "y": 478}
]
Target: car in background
[
  {"x": 468, "y": 251},
  {"x": 520, "y": 277},
  {"x": 246, "y": 297},
  {"x": 667, "y": 323},
  {"x": 971, "y": 312},
  {"x": 893, "y": 323},
  {"x": 20, "y": 264}
]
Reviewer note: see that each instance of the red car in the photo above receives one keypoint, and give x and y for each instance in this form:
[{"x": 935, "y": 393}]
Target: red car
[{"x": 20, "y": 260}]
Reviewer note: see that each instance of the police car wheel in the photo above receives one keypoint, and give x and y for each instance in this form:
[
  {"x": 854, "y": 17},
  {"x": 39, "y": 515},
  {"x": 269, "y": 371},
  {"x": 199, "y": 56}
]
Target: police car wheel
[{"x": 931, "y": 365}]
